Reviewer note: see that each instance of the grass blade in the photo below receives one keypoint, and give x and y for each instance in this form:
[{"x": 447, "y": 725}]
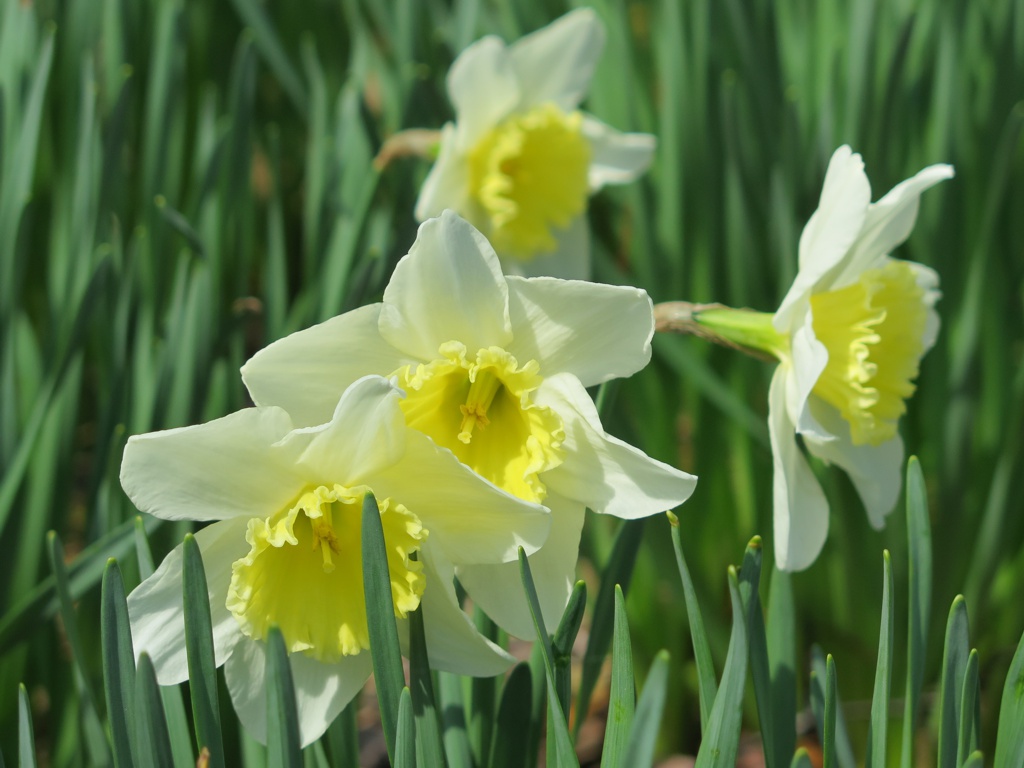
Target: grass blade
[
  {"x": 828, "y": 735},
  {"x": 969, "y": 736},
  {"x": 722, "y": 736},
  {"x": 118, "y": 667},
  {"x": 878, "y": 728},
  {"x": 95, "y": 741},
  {"x": 781, "y": 638},
  {"x": 707, "y": 685},
  {"x": 621, "y": 701},
  {"x": 954, "y": 667},
  {"x": 515, "y": 713},
  {"x": 283, "y": 742},
  {"x": 380, "y": 615},
  {"x": 152, "y": 740},
  {"x": 760, "y": 670},
  {"x": 26, "y": 735},
  {"x": 429, "y": 749},
  {"x": 618, "y": 570},
  {"x": 405, "y": 736},
  {"x": 919, "y": 545},
  {"x": 563, "y": 640},
  {"x": 819, "y": 673},
  {"x": 202, "y": 665},
  {"x": 1010, "y": 732},
  {"x": 644, "y": 733},
  {"x": 560, "y": 743}
]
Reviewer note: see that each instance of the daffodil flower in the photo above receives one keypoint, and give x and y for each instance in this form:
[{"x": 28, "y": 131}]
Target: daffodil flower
[
  {"x": 849, "y": 335},
  {"x": 494, "y": 370},
  {"x": 520, "y": 159},
  {"x": 285, "y": 545}
]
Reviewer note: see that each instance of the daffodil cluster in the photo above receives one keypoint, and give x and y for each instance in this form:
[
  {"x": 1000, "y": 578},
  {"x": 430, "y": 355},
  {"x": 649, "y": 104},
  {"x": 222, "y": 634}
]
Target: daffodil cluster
[{"x": 459, "y": 402}]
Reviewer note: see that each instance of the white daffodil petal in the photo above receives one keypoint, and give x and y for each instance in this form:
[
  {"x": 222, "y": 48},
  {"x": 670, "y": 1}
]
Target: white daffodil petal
[
  {"x": 556, "y": 63},
  {"x": 211, "y": 471},
  {"x": 453, "y": 643},
  {"x": 889, "y": 222},
  {"x": 483, "y": 87},
  {"x": 595, "y": 332},
  {"x": 616, "y": 157},
  {"x": 607, "y": 475},
  {"x": 875, "y": 470},
  {"x": 448, "y": 287},
  {"x": 366, "y": 433},
  {"x": 498, "y": 589},
  {"x": 928, "y": 279},
  {"x": 831, "y": 230},
  {"x": 801, "y": 511},
  {"x": 469, "y": 518},
  {"x": 809, "y": 358},
  {"x": 447, "y": 184},
  {"x": 321, "y": 690},
  {"x": 155, "y": 606},
  {"x": 569, "y": 261},
  {"x": 305, "y": 373}
]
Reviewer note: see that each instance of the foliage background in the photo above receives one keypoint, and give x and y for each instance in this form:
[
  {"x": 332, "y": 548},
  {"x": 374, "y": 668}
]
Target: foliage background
[{"x": 183, "y": 181}]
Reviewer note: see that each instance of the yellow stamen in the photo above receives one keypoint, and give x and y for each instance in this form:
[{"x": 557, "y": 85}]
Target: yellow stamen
[
  {"x": 482, "y": 410},
  {"x": 318, "y": 601},
  {"x": 529, "y": 176},
  {"x": 874, "y": 333}
]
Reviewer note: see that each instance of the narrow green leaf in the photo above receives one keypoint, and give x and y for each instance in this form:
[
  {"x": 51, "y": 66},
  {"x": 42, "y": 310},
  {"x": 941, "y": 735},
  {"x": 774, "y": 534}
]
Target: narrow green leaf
[
  {"x": 118, "y": 666},
  {"x": 757, "y": 640},
  {"x": 26, "y": 735},
  {"x": 781, "y": 634},
  {"x": 342, "y": 736},
  {"x": 202, "y": 666},
  {"x": 84, "y": 573},
  {"x": 508, "y": 747},
  {"x": 1010, "y": 731},
  {"x": 429, "y": 748},
  {"x": 919, "y": 546},
  {"x": 453, "y": 716},
  {"x": 621, "y": 699},
  {"x": 878, "y": 728},
  {"x": 380, "y": 615},
  {"x": 968, "y": 736},
  {"x": 559, "y": 741},
  {"x": 283, "y": 743},
  {"x": 977, "y": 760},
  {"x": 96, "y": 744},
  {"x": 819, "y": 675},
  {"x": 483, "y": 696},
  {"x": 273, "y": 52},
  {"x": 177, "y": 724},
  {"x": 707, "y": 686},
  {"x": 643, "y": 735},
  {"x": 152, "y": 740},
  {"x": 954, "y": 666},
  {"x": 801, "y": 759},
  {"x": 618, "y": 570},
  {"x": 405, "y": 735},
  {"x": 722, "y": 736},
  {"x": 563, "y": 640},
  {"x": 828, "y": 735}
]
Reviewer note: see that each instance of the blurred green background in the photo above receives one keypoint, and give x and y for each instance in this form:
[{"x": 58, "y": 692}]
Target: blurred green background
[{"x": 184, "y": 181}]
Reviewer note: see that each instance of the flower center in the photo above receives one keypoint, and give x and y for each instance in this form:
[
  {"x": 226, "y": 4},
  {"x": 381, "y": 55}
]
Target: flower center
[
  {"x": 304, "y": 572},
  {"x": 482, "y": 410},
  {"x": 874, "y": 333},
  {"x": 529, "y": 174}
]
